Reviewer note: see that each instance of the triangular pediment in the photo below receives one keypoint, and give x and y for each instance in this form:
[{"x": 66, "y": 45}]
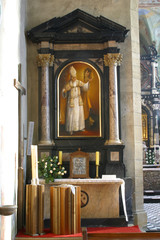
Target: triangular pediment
[{"x": 78, "y": 27}]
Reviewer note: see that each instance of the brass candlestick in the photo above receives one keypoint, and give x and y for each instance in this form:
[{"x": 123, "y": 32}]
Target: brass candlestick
[{"x": 97, "y": 171}]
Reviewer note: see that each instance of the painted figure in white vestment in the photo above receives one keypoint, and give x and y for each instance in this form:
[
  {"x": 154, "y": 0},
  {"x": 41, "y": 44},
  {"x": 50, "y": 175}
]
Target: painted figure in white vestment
[{"x": 75, "y": 120}]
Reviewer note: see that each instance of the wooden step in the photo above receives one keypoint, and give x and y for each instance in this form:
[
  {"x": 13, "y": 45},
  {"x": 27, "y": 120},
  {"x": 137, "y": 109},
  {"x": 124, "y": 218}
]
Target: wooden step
[{"x": 119, "y": 236}]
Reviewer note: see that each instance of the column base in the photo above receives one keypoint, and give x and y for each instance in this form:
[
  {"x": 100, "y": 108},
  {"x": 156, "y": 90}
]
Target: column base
[
  {"x": 113, "y": 142},
  {"x": 140, "y": 218},
  {"x": 46, "y": 142}
]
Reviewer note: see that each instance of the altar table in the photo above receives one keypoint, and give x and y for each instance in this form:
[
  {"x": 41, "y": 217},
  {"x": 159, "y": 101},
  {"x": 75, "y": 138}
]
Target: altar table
[{"x": 100, "y": 198}]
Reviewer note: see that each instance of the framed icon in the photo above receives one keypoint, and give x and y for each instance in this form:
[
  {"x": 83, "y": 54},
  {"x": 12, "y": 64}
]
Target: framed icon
[
  {"x": 79, "y": 101},
  {"x": 79, "y": 165}
]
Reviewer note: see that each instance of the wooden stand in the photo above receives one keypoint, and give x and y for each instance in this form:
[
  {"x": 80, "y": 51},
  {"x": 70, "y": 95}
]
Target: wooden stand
[
  {"x": 34, "y": 209},
  {"x": 65, "y": 210},
  {"x": 20, "y": 213}
]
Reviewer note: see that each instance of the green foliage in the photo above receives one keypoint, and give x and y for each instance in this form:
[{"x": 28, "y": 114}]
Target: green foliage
[
  {"x": 150, "y": 157},
  {"x": 49, "y": 168}
]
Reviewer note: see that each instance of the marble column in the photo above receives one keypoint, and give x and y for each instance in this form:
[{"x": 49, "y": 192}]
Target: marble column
[
  {"x": 112, "y": 60},
  {"x": 44, "y": 61}
]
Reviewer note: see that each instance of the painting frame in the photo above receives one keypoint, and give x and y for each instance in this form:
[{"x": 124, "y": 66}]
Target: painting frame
[
  {"x": 79, "y": 165},
  {"x": 91, "y": 101}
]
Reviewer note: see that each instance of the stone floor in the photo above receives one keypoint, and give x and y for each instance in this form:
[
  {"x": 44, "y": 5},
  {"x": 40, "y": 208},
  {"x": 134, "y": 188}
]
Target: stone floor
[{"x": 153, "y": 216}]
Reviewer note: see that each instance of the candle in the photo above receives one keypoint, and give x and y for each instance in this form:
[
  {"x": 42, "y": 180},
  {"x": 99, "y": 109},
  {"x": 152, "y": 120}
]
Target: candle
[
  {"x": 60, "y": 157},
  {"x": 34, "y": 161},
  {"x": 97, "y": 158}
]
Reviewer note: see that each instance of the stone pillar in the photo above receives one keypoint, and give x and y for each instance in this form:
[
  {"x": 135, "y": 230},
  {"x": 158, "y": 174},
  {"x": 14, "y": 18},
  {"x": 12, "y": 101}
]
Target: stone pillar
[
  {"x": 112, "y": 60},
  {"x": 44, "y": 61}
]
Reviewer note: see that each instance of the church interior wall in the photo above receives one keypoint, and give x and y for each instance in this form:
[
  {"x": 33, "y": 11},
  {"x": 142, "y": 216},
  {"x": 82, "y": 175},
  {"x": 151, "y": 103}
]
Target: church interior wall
[
  {"x": 123, "y": 12},
  {"x": 12, "y": 53}
]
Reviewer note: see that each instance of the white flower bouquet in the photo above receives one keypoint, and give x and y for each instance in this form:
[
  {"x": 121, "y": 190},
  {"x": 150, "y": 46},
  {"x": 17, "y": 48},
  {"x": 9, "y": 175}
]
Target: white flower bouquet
[{"x": 49, "y": 168}]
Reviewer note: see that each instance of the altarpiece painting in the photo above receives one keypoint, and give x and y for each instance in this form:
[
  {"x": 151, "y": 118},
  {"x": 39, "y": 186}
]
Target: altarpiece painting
[{"x": 79, "y": 101}]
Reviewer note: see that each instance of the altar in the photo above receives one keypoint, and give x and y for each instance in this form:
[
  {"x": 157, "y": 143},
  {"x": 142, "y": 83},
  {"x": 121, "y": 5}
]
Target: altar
[{"x": 99, "y": 197}]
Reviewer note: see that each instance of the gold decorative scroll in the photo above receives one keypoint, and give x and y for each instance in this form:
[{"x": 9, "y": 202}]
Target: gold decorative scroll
[
  {"x": 112, "y": 58},
  {"x": 44, "y": 60}
]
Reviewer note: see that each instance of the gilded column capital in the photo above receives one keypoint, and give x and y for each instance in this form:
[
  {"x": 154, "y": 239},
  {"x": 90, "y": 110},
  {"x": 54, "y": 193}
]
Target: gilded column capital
[
  {"x": 44, "y": 60},
  {"x": 111, "y": 59}
]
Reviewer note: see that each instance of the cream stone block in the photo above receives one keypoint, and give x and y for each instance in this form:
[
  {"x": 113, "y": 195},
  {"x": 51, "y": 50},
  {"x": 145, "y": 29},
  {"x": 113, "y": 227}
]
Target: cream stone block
[
  {"x": 127, "y": 104},
  {"x": 138, "y": 119},
  {"x": 135, "y": 45},
  {"x": 139, "y": 192},
  {"x": 130, "y": 151},
  {"x": 138, "y": 133},
  {"x": 138, "y": 154},
  {"x": 136, "y": 75},
  {"x": 139, "y": 175},
  {"x": 139, "y": 170},
  {"x": 140, "y": 218},
  {"x": 128, "y": 135},
  {"x": 126, "y": 71},
  {"x": 135, "y": 56},
  {"x": 138, "y": 197},
  {"x": 135, "y": 34},
  {"x": 137, "y": 102},
  {"x": 127, "y": 88},
  {"x": 126, "y": 116},
  {"x": 127, "y": 98},
  {"x": 136, "y": 80},
  {"x": 129, "y": 163},
  {"x": 139, "y": 187},
  {"x": 134, "y": 18},
  {"x": 134, "y": 4},
  {"x": 126, "y": 46}
]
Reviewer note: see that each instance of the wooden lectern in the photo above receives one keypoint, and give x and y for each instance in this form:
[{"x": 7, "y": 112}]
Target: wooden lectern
[
  {"x": 65, "y": 209},
  {"x": 34, "y": 209}
]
